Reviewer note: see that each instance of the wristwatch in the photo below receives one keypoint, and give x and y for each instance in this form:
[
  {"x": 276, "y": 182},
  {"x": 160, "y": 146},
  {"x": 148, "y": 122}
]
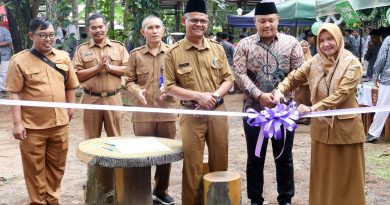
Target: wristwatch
[{"x": 218, "y": 98}]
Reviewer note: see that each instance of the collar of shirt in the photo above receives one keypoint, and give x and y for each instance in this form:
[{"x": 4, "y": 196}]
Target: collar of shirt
[
  {"x": 163, "y": 48},
  {"x": 92, "y": 43},
  {"x": 260, "y": 40},
  {"x": 188, "y": 44}
]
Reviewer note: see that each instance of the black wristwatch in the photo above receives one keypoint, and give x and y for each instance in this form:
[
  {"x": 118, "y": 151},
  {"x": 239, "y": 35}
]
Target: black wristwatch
[{"x": 219, "y": 99}]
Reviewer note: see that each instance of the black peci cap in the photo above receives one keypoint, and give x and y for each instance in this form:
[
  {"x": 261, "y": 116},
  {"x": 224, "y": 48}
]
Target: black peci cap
[
  {"x": 265, "y": 8},
  {"x": 196, "y": 6}
]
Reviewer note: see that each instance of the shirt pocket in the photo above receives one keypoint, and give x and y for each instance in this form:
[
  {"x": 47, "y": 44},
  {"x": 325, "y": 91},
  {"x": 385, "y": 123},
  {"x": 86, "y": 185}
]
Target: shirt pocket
[
  {"x": 345, "y": 117},
  {"x": 216, "y": 71},
  {"x": 186, "y": 77},
  {"x": 116, "y": 60},
  {"x": 142, "y": 75},
  {"x": 89, "y": 61},
  {"x": 35, "y": 76}
]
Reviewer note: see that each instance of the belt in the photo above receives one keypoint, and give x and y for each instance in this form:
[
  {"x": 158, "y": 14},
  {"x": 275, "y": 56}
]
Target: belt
[
  {"x": 104, "y": 94},
  {"x": 192, "y": 104}
]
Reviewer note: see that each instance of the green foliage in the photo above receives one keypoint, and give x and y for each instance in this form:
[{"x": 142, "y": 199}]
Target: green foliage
[
  {"x": 62, "y": 11},
  {"x": 380, "y": 161},
  {"x": 137, "y": 11}
]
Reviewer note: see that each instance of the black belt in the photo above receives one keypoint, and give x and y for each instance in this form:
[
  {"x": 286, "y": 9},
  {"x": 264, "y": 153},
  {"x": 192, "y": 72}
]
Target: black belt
[
  {"x": 104, "y": 94},
  {"x": 192, "y": 104}
]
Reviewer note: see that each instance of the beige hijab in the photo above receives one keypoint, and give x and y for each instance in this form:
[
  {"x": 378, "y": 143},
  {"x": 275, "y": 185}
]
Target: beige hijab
[
  {"x": 307, "y": 55},
  {"x": 329, "y": 69}
]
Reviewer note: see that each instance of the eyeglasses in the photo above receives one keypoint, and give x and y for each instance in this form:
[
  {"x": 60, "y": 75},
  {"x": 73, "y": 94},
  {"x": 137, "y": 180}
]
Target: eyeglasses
[
  {"x": 43, "y": 36},
  {"x": 196, "y": 21}
]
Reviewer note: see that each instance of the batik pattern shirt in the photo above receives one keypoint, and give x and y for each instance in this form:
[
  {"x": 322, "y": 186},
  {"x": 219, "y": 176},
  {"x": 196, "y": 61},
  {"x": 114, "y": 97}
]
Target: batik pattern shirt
[{"x": 259, "y": 67}]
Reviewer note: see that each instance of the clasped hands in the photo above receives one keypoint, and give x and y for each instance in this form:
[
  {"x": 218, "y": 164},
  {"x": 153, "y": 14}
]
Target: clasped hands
[{"x": 271, "y": 99}]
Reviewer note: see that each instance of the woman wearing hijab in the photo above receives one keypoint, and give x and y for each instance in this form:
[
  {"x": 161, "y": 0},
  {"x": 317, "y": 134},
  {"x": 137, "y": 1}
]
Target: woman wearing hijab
[
  {"x": 337, "y": 155},
  {"x": 302, "y": 93}
]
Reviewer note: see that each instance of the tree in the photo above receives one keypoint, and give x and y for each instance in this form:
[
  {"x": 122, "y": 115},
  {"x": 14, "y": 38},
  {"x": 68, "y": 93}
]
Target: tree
[
  {"x": 35, "y": 6},
  {"x": 75, "y": 16},
  {"x": 19, "y": 14},
  {"x": 51, "y": 7},
  {"x": 90, "y": 7}
]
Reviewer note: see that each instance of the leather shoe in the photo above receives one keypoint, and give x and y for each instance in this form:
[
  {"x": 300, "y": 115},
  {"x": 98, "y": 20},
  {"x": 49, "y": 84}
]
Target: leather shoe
[
  {"x": 370, "y": 138},
  {"x": 285, "y": 203}
]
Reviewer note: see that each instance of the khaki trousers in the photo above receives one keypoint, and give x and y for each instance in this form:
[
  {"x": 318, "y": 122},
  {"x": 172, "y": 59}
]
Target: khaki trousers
[
  {"x": 44, "y": 157},
  {"x": 93, "y": 123},
  {"x": 163, "y": 130},
  {"x": 196, "y": 131}
]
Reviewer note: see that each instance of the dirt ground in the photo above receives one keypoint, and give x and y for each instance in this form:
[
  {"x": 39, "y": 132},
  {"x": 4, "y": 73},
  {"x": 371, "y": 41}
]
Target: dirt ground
[{"x": 13, "y": 190}]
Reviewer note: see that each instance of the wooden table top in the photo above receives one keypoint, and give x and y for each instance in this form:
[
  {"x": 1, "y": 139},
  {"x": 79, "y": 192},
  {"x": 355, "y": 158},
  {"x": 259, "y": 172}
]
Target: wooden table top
[{"x": 100, "y": 152}]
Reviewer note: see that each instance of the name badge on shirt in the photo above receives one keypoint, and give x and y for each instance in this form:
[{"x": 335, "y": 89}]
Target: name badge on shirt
[
  {"x": 214, "y": 61},
  {"x": 184, "y": 65}
]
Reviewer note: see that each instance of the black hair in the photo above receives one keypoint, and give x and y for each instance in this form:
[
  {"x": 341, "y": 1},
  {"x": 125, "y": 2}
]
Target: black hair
[
  {"x": 40, "y": 23},
  {"x": 218, "y": 34},
  {"x": 94, "y": 16},
  {"x": 224, "y": 35},
  {"x": 83, "y": 35}
]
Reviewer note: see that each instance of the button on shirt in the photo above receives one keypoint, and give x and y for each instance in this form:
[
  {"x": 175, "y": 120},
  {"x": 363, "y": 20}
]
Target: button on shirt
[
  {"x": 259, "y": 67},
  {"x": 37, "y": 81},
  {"x": 143, "y": 72},
  {"x": 196, "y": 69}
]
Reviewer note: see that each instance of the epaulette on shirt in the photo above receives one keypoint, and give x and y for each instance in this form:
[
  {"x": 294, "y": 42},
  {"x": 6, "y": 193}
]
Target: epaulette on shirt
[
  {"x": 20, "y": 53},
  {"x": 173, "y": 46},
  {"x": 214, "y": 41},
  {"x": 115, "y": 41},
  {"x": 137, "y": 49},
  {"x": 85, "y": 43}
]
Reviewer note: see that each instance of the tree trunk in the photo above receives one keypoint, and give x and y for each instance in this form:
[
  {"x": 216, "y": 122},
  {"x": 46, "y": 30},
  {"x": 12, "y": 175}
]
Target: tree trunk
[
  {"x": 90, "y": 7},
  {"x": 51, "y": 9},
  {"x": 75, "y": 17},
  {"x": 35, "y": 7},
  {"x": 112, "y": 15},
  {"x": 19, "y": 14}
]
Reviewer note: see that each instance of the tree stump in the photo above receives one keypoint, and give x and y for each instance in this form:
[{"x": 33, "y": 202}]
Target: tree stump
[
  {"x": 222, "y": 188},
  {"x": 131, "y": 171}
]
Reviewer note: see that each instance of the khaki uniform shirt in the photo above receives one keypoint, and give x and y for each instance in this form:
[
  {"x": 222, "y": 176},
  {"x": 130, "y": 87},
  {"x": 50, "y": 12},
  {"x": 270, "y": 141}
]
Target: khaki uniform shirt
[
  {"x": 88, "y": 54},
  {"x": 143, "y": 72},
  {"x": 196, "y": 69},
  {"x": 36, "y": 80}
]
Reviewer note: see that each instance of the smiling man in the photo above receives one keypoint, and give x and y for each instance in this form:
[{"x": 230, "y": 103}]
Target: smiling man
[
  {"x": 144, "y": 80},
  {"x": 197, "y": 72},
  {"x": 261, "y": 61},
  {"x": 42, "y": 73},
  {"x": 100, "y": 64}
]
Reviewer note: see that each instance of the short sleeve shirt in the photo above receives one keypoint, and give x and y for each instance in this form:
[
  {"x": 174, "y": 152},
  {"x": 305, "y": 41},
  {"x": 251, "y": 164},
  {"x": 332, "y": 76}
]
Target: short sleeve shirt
[
  {"x": 88, "y": 55},
  {"x": 37, "y": 81},
  {"x": 196, "y": 69}
]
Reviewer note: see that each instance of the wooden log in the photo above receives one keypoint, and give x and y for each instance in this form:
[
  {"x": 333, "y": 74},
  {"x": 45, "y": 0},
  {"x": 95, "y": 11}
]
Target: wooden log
[
  {"x": 222, "y": 188},
  {"x": 132, "y": 186},
  {"x": 130, "y": 179},
  {"x": 100, "y": 187}
]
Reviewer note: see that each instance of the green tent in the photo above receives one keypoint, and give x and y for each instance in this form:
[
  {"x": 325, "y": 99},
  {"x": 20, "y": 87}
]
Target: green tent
[
  {"x": 328, "y": 7},
  {"x": 297, "y": 9}
]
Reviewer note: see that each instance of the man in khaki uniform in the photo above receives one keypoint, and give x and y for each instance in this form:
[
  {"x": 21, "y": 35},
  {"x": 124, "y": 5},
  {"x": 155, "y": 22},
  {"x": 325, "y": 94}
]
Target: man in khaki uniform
[
  {"x": 198, "y": 73},
  {"x": 43, "y": 132},
  {"x": 99, "y": 65},
  {"x": 144, "y": 80}
]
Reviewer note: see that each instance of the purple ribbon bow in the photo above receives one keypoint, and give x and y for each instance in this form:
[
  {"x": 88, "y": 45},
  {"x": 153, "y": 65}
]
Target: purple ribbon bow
[{"x": 270, "y": 122}]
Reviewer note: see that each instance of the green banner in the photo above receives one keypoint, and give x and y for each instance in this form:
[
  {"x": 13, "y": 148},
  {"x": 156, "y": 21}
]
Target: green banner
[{"x": 345, "y": 9}]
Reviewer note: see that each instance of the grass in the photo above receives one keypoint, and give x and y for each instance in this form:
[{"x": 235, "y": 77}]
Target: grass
[{"x": 378, "y": 160}]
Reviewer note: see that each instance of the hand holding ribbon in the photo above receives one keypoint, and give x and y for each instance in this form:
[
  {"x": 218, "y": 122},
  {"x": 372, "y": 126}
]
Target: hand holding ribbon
[{"x": 270, "y": 122}]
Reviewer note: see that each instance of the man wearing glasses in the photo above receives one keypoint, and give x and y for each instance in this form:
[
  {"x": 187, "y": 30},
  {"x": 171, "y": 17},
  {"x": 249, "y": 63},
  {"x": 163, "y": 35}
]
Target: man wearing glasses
[
  {"x": 42, "y": 73},
  {"x": 197, "y": 72},
  {"x": 100, "y": 63}
]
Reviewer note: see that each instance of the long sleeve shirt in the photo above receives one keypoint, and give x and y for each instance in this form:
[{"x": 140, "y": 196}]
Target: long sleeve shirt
[{"x": 382, "y": 63}]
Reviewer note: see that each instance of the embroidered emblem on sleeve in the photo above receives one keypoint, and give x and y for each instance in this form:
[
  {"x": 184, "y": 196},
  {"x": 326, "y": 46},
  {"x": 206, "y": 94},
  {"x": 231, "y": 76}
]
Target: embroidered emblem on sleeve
[{"x": 350, "y": 74}]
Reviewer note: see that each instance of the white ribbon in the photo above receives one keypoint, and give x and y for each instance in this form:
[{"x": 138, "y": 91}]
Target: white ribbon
[{"x": 385, "y": 108}]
